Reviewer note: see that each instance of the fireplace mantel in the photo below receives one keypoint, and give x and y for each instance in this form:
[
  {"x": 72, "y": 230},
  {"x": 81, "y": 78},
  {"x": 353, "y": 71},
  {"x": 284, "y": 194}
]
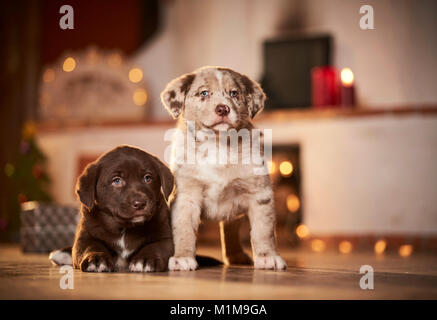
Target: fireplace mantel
[{"x": 266, "y": 115}]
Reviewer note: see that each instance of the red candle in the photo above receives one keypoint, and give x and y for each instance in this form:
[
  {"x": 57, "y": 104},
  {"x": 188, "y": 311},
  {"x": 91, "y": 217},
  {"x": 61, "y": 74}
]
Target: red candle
[
  {"x": 347, "y": 87},
  {"x": 324, "y": 85}
]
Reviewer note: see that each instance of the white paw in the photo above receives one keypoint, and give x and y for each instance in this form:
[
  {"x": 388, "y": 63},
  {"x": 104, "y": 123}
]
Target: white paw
[
  {"x": 136, "y": 267},
  {"x": 149, "y": 268},
  {"x": 156, "y": 264},
  {"x": 182, "y": 264},
  {"x": 270, "y": 262},
  {"x": 60, "y": 258},
  {"x": 101, "y": 267},
  {"x": 91, "y": 267}
]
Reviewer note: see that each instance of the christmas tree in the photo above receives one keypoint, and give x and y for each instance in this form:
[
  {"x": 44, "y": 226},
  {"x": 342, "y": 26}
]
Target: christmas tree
[{"x": 28, "y": 180}]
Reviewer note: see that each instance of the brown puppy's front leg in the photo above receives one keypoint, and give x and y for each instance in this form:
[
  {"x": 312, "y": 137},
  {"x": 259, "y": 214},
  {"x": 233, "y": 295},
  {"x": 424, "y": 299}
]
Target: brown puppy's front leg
[
  {"x": 232, "y": 250},
  {"x": 92, "y": 256},
  {"x": 152, "y": 257}
]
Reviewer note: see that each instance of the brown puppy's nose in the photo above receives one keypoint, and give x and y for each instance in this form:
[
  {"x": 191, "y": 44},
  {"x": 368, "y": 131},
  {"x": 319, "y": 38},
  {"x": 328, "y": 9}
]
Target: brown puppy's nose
[
  {"x": 138, "y": 205},
  {"x": 222, "y": 110}
]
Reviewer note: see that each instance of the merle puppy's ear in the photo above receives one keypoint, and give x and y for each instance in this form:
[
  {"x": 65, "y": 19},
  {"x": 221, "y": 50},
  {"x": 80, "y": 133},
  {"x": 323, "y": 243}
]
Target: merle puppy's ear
[
  {"x": 173, "y": 97},
  {"x": 86, "y": 186},
  {"x": 166, "y": 176},
  {"x": 255, "y": 95}
]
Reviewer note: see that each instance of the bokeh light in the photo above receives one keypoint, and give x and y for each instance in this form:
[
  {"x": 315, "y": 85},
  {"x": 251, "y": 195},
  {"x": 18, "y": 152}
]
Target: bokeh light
[
  {"x": 69, "y": 64},
  {"x": 135, "y": 75},
  {"x": 318, "y": 245},
  {"x": 140, "y": 97},
  {"x": 293, "y": 203},
  {"x": 48, "y": 75},
  {"x": 302, "y": 231},
  {"x": 380, "y": 246},
  {"x": 345, "y": 247},
  {"x": 286, "y": 168},
  {"x": 405, "y": 250}
]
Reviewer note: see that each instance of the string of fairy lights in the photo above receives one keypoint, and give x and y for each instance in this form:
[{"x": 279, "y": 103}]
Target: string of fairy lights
[
  {"x": 135, "y": 74},
  {"x": 285, "y": 169}
]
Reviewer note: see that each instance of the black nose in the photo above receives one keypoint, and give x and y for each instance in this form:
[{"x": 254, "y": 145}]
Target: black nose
[
  {"x": 222, "y": 110},
  {"x": 139, "y": 204}
]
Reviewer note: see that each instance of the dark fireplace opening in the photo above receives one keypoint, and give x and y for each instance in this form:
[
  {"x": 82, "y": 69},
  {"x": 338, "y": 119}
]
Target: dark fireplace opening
[{"x": 285, "y": 173}]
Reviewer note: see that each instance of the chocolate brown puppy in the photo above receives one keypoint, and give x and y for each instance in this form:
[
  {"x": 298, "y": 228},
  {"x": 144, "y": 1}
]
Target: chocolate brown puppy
[{"x": 124, "y": 222}]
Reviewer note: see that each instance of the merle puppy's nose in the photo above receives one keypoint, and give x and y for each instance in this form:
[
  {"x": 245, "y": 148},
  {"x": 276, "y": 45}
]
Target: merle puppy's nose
[
  {"x": 222, "y": 110},
  {"x": 139, "y": 204}
]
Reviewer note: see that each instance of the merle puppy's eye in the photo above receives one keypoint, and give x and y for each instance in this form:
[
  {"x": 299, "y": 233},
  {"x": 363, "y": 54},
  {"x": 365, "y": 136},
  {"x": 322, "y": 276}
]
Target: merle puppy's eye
[
  {"x": 147, "y": 178},
  {"x": 233, "y": 93},
  {"x": 204, "y": 93},
  {"x": 117, "y": 182}
]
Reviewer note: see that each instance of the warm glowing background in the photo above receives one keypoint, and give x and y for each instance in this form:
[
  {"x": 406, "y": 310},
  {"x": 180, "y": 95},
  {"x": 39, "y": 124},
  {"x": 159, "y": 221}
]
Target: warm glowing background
[{"x": 345, "y": 179}]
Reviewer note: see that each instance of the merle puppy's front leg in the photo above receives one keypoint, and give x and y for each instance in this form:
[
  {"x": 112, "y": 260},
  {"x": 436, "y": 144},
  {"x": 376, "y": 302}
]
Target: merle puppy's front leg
[
  {"x": 152, "y": 257},
  {"x": 185, "y": 222},
  {"x": 89, "y": 255},
  {"x": 262, "y": 224}
]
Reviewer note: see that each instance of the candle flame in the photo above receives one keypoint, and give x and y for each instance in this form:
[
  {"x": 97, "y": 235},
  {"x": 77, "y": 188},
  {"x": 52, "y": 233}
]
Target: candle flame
[{"x": 347, "y": 77}]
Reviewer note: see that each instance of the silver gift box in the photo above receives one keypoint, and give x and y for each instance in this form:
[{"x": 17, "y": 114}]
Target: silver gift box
[{"x": 46, "y": 227}]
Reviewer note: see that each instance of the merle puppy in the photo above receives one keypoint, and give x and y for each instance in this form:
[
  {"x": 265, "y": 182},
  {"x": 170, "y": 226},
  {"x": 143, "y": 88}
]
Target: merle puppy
[
  {"x": 210, "y": 103},
  {"x": 125, "y": 222}
]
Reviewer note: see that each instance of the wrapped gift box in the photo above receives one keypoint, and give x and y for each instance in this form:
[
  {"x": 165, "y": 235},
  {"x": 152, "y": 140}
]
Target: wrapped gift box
[{"x": 46, "y": 227}]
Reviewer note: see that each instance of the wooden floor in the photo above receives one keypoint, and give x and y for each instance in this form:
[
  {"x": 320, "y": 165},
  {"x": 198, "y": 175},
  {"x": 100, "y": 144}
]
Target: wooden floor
[{"x": 309, "y": 276}]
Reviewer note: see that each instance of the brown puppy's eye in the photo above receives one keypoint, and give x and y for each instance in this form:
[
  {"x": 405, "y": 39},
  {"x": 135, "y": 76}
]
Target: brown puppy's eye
[
  {"x": 233, "y": 93},
  {"x": 147, "y": 178},
  {"x": 204, "y": 93},
  {"x": 117, "y": 182}
]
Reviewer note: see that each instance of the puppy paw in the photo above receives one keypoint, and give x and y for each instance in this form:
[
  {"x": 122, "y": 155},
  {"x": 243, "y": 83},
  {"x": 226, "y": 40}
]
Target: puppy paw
[
  {"x": 97, "y": 262},
  {"x": 239, "y": 258},
  {"x": 270, "y": 262},
  {"x": 148, "y": 265},
  {"x": 136, "y": 266},
  {"x": 182, "y": 264}
]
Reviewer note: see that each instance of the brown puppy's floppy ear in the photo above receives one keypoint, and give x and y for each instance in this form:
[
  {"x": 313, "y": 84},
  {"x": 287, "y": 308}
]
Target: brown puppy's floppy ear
[
  {"x": 173, "y": 97},
  {"x": 167, "y": 178},
  {"x": 86, "y": 186},
  {"x": 255, "y": 95}
]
